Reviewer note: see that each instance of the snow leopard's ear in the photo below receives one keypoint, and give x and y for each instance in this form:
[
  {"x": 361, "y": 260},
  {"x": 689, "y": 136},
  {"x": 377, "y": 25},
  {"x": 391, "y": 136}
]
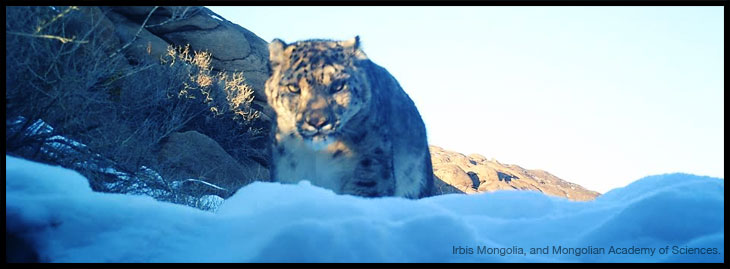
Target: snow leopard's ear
[
  {"x": 276, "y": 52},
  {"x": 353, "y": 45}
]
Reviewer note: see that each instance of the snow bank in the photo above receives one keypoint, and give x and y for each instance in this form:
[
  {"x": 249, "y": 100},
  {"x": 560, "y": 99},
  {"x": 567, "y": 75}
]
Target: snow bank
[{"x": 56, "y": 213}]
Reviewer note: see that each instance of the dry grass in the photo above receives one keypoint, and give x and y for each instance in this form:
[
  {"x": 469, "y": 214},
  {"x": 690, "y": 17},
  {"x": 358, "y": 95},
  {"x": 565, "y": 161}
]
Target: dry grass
[{"x": 122, "y": 111}]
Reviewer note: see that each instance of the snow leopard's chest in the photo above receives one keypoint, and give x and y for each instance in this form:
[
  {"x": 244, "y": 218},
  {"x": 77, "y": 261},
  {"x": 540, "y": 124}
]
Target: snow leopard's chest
[{"x": 328, "y": 167}]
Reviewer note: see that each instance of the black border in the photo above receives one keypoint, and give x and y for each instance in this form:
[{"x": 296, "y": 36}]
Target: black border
[{"x": 375, "y": 2}]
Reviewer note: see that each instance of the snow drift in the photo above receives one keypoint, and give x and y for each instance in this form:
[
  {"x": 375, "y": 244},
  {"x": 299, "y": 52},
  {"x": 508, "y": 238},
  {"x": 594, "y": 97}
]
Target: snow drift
[{"x": 666, "y": 218}]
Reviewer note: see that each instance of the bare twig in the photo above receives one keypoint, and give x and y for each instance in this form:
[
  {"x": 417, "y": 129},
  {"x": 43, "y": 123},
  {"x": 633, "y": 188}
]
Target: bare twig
[
  {"x": 173, "y": 18},
  {"x": 69, "y": 9},
  {"x": 59, "y": 38},
  {"x": 135, "y": 35}
]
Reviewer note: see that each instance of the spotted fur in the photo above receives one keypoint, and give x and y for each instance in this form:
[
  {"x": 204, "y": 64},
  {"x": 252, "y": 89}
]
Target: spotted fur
[{"x": 344, "y": 123}]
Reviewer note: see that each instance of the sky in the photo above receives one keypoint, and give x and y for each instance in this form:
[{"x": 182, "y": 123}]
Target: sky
[{"x": 598, "y": 96}]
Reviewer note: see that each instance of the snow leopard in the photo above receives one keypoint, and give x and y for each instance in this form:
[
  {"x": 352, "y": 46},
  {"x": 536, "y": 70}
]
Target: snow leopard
[{"x": 344, "y": 123}]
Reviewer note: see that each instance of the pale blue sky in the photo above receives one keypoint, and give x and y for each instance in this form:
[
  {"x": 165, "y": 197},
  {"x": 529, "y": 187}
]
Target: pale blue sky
[{"x": 599, "y": 96}]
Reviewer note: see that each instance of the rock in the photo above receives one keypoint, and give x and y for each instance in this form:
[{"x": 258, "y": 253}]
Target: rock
[
  {"x": 477, "y": 158},
  {"x": 475, "y": 174},
  {"x": 197, "y": 21},
  {"x": 146, "y": 47},
  {"x": 453, "y": 175},
  {"x": 232, "y": 47},
  {"x": 136, "y": 11},
  {"x": 440, "y": 187},
  {"x": 474, "y": 179},
  {"x": 194, "y": 155},
  {"x": 104, "y": 29}
]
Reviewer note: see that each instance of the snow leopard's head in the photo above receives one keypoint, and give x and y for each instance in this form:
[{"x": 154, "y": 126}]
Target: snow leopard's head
[{"x": 317, "y": 86}]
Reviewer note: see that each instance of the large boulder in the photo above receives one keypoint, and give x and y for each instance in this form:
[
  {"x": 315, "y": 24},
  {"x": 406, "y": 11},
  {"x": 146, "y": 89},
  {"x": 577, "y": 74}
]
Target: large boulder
[
  {"x": 104, "y": 29},
  {"x": 192, "y": 155},
  {"x": 143, "y": 45},
  {"x": 232, "y": 47},
  {"x": 147, "y": 32}
]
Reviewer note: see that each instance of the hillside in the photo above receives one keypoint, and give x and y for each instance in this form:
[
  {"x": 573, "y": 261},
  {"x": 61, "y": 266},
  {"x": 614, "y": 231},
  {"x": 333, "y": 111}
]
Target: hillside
[{"x": 475, "y": 174}]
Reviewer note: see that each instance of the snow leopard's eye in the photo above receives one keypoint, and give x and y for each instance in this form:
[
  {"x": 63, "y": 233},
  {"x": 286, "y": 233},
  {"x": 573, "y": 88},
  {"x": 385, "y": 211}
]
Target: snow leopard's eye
[
  {"x": 337, "y": 87},
  {"x": 292, "y": 88}
]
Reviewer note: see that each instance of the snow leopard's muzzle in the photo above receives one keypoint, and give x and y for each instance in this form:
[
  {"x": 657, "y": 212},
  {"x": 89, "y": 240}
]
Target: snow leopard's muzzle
[{"x": 318, "y": 126}]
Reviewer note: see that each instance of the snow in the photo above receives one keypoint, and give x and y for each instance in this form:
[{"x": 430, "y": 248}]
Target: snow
[
  {"x": 55, "y": 211},
  {"x": 217, "y": 17},
  {"x": 145, "y": 181}
]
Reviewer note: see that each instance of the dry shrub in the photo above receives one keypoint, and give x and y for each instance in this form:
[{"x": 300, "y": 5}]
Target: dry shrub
[{"x": 62, "y": 70}]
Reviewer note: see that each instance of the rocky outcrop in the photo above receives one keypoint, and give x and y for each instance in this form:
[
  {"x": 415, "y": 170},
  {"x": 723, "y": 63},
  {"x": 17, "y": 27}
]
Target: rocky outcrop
[
  {"x": 192, "y": 155},
  {"x": 232, "y": 48},
  {"x": 144, "y": 34},
  {"x": 476, "y": 174},
  {"x": 119, "y": 65},
  {"x": 452, "y": 175}
]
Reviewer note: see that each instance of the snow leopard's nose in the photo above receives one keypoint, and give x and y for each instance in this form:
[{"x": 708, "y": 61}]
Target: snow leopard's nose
[{"x": 317, "y": 119}]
